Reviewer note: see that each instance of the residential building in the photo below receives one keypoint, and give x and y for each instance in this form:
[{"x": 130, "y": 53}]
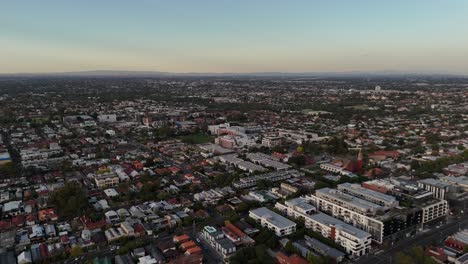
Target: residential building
[
  {"x": 355, "y": 241},
  {"x": 105, "y": 180},
  {"x": 434, "y": 209},
  {"x": 438, "y": 188},
  {"x": 273, "y": 221},
  {"x": 365, "y": 215},
  {"x": 356, "y": 190}
]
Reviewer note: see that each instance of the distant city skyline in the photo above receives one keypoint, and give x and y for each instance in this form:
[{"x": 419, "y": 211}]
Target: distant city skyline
[{"x": 219, "y": 36}]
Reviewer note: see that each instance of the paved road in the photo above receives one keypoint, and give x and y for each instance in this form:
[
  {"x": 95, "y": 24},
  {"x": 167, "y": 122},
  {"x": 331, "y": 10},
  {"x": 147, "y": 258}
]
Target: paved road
[{"x": 420, "y": 239}]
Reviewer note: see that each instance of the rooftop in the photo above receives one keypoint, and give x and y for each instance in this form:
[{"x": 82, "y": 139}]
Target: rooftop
[
  {"x": 272, "y": 217},
  {"x": 367, "y": 192},
  {"x": 329, "y": 221},
  {"x": 348, "y": 199}
]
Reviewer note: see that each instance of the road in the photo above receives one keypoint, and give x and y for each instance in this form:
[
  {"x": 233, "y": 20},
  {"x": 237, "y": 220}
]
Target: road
[{"x": 420, "y": 239}]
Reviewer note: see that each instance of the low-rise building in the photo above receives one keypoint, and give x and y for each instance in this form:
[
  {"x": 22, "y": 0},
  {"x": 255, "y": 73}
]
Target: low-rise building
[
  {"x": 273, "y": 221},
  {"x": 106, "y": 179}
]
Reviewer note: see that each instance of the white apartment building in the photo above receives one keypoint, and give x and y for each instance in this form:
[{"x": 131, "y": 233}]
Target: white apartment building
[
  {"x": 365, "y": 215},
  {"x": 368, "y": 195},
  {"x": 342, "y": 208},
  {"x": 355, "y": 241},
  {"x": 273, "y": 221},
  {"x": 434, "y": 209},
  {"x": 349, "y": 201}
]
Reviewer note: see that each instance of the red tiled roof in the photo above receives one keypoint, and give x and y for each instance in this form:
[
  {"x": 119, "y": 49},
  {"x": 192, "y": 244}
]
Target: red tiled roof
[
  {"x": 234, "y": 229},
  {"x": 193, "y": 250},
  {"x": 181, "y": 238}
]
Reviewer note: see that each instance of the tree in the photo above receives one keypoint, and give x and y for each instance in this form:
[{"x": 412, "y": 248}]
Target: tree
[
  {"x": 76, "y": 251},
  {"x": 414, "y": 255},
  {"x": 289, "y": 247},
  {"x": 8, "y": 170},
  {"x": 70, "y": 200}
]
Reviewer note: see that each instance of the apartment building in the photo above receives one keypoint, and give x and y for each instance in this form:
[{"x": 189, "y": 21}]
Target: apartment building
[
  {"x": 355, "y": 241},
  {"x": 350, "y": 201},
  {"x": 365, "y": 215},
  {"x": 218, "y": 240},
  {"x": 273, "y": 221},
  {"x": 434, "y": 209},
  {"x": 438, "y": 188},
  {"x": 357, "y": 190}
]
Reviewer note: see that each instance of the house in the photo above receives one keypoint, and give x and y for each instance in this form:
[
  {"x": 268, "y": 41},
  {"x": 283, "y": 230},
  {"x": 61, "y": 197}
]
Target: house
[
  {"x": 294, "y": 259},
  {"x": 24, "y": 257},
  {"x": 106, "y": 179},
  {"x": 181, "y": 239},
  {"x": 111, "y": 217},
  {"x": 47, "y": 215},
  {"x": 50, "y": 230},
  {"x": 127, "y": 228}
]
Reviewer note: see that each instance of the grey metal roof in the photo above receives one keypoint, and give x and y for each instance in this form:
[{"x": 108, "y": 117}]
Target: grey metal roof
[
  {"x": 328, "y": 220},
  {"x": 273, "y": 218}
]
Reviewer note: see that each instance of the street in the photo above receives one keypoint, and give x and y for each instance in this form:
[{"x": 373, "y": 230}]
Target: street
[{"x": 421, "y": 239}]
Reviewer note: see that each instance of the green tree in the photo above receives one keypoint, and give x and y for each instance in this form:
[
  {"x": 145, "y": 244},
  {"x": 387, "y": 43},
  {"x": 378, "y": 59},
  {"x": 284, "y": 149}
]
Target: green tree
[
  {"x": 70, "y": 201},
  {"x": 76, "y": 251}
]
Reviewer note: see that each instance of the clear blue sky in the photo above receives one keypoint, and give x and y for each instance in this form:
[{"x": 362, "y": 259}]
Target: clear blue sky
[{"x": 234, "y": 36}]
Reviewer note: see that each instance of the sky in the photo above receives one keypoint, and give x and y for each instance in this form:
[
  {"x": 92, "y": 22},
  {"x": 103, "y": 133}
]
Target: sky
[{"x": 234, "y": 35}]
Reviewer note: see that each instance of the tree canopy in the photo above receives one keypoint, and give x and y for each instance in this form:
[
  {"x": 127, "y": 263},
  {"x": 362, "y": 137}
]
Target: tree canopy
[{"x": 70, "y": 201}]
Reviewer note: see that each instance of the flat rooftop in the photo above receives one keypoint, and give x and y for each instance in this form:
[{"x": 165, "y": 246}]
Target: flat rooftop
[
  {"x": 300, "y": 203},
  {"x": 367, "y": 192},
  {"x": 328, "y": 220},
  {"x": 272, "y": 217},
  {"x": 348, "y": 199},
  {"x": 435, "y": 182}
]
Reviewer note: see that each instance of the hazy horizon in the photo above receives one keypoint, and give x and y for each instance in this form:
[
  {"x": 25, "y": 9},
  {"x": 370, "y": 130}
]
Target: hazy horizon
[{"x": 234, "y": 36}]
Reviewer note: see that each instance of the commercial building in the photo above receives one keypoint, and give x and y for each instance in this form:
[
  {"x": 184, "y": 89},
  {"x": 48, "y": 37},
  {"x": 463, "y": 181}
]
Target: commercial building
[
  {"x": 271, "y": 176},
  {"x": 457, "y": 241},
  {"x": 461, "y": 181},
  {"x": 267, "y": 161},
  {"x": 273, "y": 221},
  {"x": 336, "y": 169}
]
